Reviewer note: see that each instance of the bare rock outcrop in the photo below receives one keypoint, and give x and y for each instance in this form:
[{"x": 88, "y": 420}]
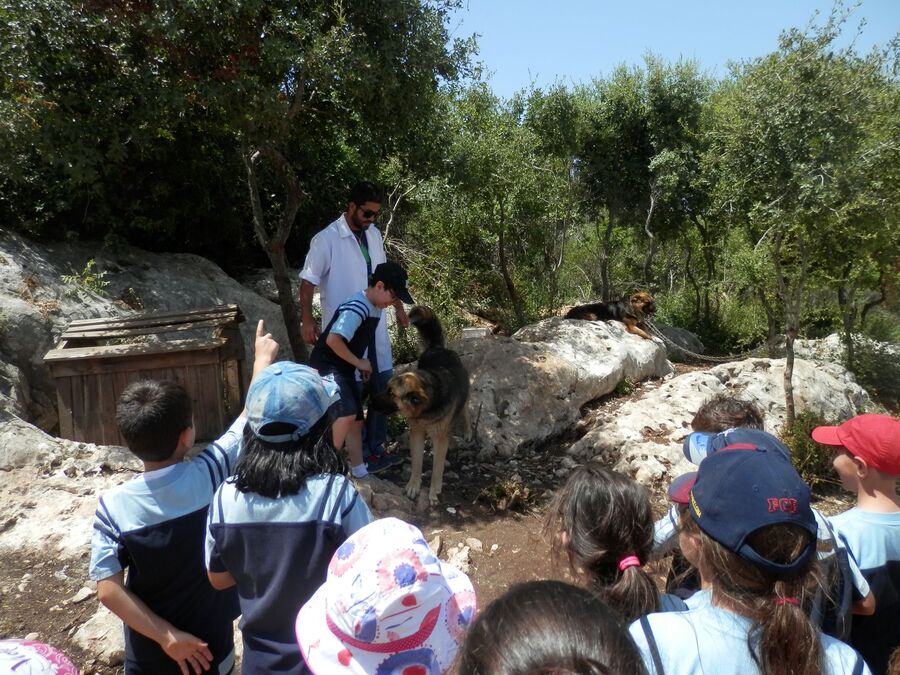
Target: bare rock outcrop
[
  {"x": 36, "y": 305},
  {"x": 531, "y": 386},
  {"x": 645, "y": 436}
]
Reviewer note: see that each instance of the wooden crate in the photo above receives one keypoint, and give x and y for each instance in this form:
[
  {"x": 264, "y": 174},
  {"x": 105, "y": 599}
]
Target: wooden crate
[{"x": 96, "y": 358}]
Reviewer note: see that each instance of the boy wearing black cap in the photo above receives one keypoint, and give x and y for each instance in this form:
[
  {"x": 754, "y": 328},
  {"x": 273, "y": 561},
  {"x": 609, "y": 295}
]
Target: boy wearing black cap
[{"x": 341, "y": 347}]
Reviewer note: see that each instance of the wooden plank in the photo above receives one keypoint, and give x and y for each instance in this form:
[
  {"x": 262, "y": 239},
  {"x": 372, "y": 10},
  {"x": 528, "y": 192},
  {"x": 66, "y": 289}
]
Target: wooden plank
[
  {"x": 64, "y": 403},
  {"x": 234, "y": 392},
  {"x": 78, "y": 421},
  {"x": 209, "y": 402},
  {"x": 78, "y": 334},
  {"x": 193, "y": 387},
  {"x": 93, "y": 428},
  {"x": 153, "y": 363},
  {"x": 163, "y": 314},
  {"x": 132, "y": 350},
  {"x": 223, "y": 314},
  {"x": 109, "y": 430}
]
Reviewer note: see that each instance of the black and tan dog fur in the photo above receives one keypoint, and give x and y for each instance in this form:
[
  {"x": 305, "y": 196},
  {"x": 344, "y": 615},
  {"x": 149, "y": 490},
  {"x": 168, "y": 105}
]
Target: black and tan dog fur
[
  {"x": 432, "y": 397},
  {"x": 631, "y": 311}
]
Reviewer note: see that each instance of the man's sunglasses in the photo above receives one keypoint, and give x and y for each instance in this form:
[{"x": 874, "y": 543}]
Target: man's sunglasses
[{"x": 366, "y": 213}]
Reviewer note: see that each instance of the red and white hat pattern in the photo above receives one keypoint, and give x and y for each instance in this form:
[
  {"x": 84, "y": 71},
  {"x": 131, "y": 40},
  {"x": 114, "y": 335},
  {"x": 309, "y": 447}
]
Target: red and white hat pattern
[{"x": 389, "y": 606}]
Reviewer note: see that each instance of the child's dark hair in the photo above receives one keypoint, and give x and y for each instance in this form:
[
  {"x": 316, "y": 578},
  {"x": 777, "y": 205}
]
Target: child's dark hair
[
  {"x": 365, "y": 191},
  {"x": 151, "y": 414},
  {"x": 782, "y": 638},
  {"x": 281, "y": 469},
  {"x": 723, "y": 412},
  {"x": 548, "y": 627},
  {"x": 597, "y": 519}
]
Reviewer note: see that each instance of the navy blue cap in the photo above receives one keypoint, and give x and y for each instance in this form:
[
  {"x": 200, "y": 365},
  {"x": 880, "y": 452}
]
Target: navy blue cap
[
  {"x": 739, "y": 491},
  {"x": 701, "y": 444}
]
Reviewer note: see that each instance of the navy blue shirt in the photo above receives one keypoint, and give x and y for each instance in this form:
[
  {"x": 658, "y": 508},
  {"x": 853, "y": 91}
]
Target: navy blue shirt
[
  {"x": 874, "y": 541},
  {"x": 278, "y": 552},
  {"x": 154, "y": 527}
]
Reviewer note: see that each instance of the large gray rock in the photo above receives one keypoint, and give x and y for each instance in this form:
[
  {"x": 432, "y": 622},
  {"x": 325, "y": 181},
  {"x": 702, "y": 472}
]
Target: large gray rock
[
  {"x": 36, "y": 306},
  {"x": 644, "y": 437},
  {"x": 680, "y": 342},
  {"x": 531, "y": 387},
  {"x": 103, "y": 637}
]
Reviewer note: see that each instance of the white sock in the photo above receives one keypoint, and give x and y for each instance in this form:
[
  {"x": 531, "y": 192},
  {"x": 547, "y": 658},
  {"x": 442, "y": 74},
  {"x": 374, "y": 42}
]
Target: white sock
[{"x": 359, "y": 471}]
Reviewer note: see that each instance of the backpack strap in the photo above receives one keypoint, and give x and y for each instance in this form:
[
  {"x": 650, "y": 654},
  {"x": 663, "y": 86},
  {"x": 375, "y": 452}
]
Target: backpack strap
[
  {"x": 859, "y": 665},
  {"x": 323, "y": 502},
  {"x": 654, "y": 648},
  {"x": 339, "y": 499}
]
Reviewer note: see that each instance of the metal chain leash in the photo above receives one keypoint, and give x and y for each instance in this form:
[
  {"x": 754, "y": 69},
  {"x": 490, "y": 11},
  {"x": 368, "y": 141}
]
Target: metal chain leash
[{"x": 758, "y": 351}]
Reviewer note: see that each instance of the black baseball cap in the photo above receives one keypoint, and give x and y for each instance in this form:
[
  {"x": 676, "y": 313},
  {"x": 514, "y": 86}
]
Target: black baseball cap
[{"x": 394, "y": 279}]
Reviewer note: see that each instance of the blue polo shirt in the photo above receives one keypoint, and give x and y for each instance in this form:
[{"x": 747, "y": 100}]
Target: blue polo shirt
[
  {"x": 874, "y": 542},
  {"x": 154, "y": 526},
  {"x": 278, "y": 552}
]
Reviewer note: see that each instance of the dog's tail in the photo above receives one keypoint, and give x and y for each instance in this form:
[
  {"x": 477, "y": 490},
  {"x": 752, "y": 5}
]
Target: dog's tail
[{"x": 430, "y": 330}]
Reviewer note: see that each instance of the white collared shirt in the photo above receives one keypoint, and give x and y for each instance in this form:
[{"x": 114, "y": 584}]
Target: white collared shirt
[{"x": 336, "y": 265}]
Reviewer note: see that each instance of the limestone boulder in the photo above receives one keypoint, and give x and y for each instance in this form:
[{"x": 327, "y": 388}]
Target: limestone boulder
[
  {"x": 531, "y": 386},
  {"x": 644, "y": 437},
  {"x": 36, "y": 305},
  {"x": 680, "y": 342},
  {"x": 102, "y": 636}
]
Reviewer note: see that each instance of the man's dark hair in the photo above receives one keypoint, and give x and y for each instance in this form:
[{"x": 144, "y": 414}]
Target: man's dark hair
[
  {"x": 280, "y": 469},
  {"x": 365, "y": 191},
  {"x": 151, "y": 415}
]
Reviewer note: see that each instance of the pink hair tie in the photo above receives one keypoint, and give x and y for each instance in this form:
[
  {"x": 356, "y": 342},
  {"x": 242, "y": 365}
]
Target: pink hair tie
[
  {"x": 786, "y": 601},
  {"x": 629, "y": 561}
]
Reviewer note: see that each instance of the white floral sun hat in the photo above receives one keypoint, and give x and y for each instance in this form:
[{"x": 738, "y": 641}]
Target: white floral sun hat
[{"x": 389, "y": 606}]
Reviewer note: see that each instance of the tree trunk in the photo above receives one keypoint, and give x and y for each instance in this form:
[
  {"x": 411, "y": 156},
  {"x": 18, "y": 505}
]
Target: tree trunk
[
  {"x": 789, "y": 412},
  {"x": 504, "y": 270},
  {"x": 791, "y": 295},
  {"x": 710, "y": 259},
  {"x": 693, "y": 282},
  {"x": 273, "y": 244},
  {"x": 651, "y": 251},
  {"x": 848, "y": 318},
  {"x": 604, "y": 259}
]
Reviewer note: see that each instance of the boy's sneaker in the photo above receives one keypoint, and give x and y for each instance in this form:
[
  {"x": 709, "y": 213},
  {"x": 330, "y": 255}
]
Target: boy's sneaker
[{"x": 382, "y": 462}]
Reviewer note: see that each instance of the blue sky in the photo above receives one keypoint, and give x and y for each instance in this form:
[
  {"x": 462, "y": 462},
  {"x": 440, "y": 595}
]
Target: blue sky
[{"x": 540, "y": 41}]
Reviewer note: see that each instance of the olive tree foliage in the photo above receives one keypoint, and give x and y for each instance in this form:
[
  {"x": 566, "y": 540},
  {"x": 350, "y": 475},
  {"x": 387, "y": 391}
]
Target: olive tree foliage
[
  {"x": 496, "y": 218},
  {"x": 614, "y": 153},
  {"x": 287, "y": 92},
  {"x": 807, "y": 168}
]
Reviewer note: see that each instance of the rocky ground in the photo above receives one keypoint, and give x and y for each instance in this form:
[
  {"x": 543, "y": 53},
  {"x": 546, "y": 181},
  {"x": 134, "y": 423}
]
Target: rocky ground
[
  {"x": 555, "y": 394},
  {"x": 489, "y": 523}
]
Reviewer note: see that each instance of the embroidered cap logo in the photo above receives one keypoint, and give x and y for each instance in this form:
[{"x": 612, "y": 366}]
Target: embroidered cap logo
[
  {"x": 695, "y": 506},
  {"x": 784, "y": 505}
]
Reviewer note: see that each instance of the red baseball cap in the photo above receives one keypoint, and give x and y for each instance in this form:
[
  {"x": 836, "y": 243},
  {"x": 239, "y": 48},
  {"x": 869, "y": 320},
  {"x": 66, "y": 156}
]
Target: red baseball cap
[{"x": 874, "y": 438}]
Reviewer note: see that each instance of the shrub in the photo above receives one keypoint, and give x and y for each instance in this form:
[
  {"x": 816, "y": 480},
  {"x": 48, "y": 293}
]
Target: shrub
[
  {"x": 812, "y": 461},
  {"x": 877, "y": 370}
]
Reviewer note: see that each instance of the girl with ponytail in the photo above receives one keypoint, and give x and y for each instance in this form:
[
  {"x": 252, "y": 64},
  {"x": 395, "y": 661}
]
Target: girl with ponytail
[
  {"x": 600, "y": 522},
  {"x": 750, "y": 523}
]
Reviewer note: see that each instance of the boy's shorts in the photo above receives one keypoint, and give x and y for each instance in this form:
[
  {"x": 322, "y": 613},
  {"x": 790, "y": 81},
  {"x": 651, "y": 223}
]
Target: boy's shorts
[{"x": 350, "y": 402}]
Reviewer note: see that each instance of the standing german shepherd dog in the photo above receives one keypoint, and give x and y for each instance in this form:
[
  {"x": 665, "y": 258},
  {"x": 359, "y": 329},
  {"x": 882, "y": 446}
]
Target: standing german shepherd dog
[
  {"x": 631, "y": 311},
  {"x": 432, "y": 396}
]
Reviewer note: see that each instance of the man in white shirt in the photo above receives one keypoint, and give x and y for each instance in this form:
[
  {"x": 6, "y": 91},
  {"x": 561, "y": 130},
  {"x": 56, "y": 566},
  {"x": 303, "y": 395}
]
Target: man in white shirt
[{"x": 341, "y": 257}]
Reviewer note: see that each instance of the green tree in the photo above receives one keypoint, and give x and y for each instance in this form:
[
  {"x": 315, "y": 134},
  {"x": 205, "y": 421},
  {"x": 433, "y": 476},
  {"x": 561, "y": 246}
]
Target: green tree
[
  {"x": 794, "y": 171},
  {"x": 296, "y": 92},
  {"x": 614, "y": 157}
]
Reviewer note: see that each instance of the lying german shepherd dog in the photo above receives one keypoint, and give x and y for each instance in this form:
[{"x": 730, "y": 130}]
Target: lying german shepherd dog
[
  {"x": 631, "y": 311},
  {"x": 432, "y": 396}
]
